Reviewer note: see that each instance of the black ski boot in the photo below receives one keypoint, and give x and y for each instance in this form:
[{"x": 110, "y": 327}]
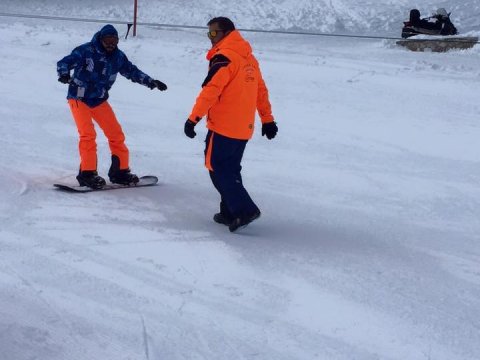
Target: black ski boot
[
  {"x": 91, "y": 179},
  {"x": 223, "y": 217},
  {"x": 243, "y": 221},
  {"x": 121, "y": 176}
]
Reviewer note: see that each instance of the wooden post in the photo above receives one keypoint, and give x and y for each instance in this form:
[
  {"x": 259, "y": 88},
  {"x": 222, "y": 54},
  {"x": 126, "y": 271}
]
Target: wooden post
[{"x": 135, "y": 5}]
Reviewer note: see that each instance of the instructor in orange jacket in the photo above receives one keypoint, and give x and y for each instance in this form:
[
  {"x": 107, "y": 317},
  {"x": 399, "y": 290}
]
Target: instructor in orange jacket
[{"x": 231, "y": 93}]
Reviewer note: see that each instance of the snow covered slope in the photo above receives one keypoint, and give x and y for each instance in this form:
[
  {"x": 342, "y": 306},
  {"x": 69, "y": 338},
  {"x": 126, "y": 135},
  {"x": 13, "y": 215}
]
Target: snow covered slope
[
  {"x": 345, "y": 16},
  {"x": 368, "y": 246}
]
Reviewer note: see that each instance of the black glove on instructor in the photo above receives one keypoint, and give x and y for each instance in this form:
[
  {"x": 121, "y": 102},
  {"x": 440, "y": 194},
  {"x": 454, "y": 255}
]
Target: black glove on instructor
[
  {"x": 189, "y": 129},
  {"x": 270, "y": 129},
  {"x": 64, "y": 79},
  {"x": 157, "y": 84}
]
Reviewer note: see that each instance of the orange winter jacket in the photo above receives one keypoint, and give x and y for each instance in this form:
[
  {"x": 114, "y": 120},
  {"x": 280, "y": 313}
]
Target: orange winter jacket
[{"x": 233, "y": 90}]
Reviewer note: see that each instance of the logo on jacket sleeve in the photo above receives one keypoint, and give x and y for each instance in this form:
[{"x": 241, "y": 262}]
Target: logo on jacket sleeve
[{"x": 249, "y": 73}]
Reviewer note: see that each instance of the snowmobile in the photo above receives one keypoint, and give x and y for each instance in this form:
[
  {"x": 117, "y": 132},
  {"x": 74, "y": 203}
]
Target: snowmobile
[
  {"x": 437, "y": 24},
  {"x": 435, "y": 33}
]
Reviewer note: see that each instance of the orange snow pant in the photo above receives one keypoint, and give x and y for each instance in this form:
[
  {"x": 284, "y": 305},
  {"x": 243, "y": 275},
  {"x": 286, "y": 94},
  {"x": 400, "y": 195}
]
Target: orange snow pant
[{"x": 106, "y": 119}]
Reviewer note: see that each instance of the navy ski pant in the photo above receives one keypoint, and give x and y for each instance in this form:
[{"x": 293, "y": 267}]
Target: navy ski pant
[{"x": 223, "y": 156}]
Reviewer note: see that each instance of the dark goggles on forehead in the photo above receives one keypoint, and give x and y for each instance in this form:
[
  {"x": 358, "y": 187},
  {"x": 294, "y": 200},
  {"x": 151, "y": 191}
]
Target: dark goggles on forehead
[{"x": 212, "y": 33}]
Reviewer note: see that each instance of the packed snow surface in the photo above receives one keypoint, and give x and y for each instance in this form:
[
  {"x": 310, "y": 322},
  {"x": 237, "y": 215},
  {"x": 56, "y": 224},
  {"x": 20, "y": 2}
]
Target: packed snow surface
[{"x": 368, "y": 246}]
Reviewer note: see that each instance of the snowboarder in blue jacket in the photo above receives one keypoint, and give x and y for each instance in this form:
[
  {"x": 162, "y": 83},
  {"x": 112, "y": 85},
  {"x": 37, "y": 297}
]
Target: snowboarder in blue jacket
[{"x": 95, "y": 67}]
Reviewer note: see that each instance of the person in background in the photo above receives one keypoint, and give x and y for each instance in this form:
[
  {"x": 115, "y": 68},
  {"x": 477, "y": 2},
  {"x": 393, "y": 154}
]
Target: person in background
[
  {"x": 418, "y": 22},
  {"x": 231, "y": 94},
  {"x": 444, "y": 23},
  {"x": 95, "y": 67}
]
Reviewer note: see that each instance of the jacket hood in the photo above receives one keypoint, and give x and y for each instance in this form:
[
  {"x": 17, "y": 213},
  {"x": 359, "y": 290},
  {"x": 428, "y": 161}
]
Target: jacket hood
[
  {"x": 104, "y": 31},
  {"x": 233, "y": 42}
]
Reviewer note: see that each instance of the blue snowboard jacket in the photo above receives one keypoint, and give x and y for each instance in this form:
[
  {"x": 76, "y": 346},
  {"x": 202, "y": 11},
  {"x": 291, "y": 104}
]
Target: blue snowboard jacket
[{"x": 95, "y": 70}]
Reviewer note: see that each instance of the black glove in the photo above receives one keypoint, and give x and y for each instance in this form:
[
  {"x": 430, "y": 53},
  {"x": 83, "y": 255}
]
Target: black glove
[
  {"x": 157, "y": 84},
  {"x": 64, "y": 79},
  {"x": 189, "y": 129},
  {"x": 270, "y": 129}
]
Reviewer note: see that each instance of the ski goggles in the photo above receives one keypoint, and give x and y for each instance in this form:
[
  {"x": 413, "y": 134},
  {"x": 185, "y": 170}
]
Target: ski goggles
[
  {"x": 109, "y": 40},
  {"x": 213, "y": 33}
]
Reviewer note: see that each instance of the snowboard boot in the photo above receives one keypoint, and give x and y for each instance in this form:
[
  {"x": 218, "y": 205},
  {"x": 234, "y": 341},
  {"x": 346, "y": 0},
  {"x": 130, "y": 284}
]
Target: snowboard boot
[
  {"x": 243, "y": 221},
  {"x": 121, "y": 176},
  {"x": 91, "y": 179},
  {"x": 222, "y": 219}
]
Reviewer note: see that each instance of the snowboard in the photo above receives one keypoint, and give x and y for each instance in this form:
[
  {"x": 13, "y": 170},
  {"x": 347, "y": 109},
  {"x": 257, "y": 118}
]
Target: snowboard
[{"x": 148, "y": 180}]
